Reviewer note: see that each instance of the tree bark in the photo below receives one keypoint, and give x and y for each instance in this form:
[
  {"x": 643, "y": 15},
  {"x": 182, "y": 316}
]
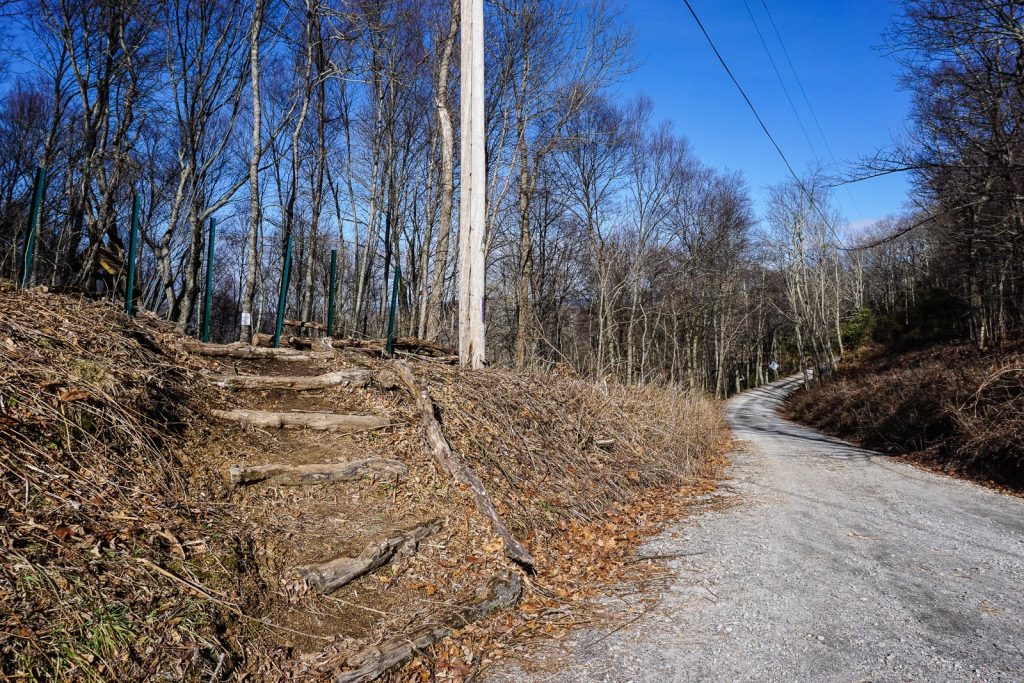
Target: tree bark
[
  {"x": 239, "y": 350},
  {"x": 251, "y": 254}
]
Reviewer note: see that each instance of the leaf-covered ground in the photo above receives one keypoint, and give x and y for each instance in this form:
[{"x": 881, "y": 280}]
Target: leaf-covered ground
[
  {"x": 951, "y": 408},
  {"x": 126, "y": 555}
]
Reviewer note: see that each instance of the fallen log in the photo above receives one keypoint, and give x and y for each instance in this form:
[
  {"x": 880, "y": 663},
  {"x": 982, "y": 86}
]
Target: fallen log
[
  {"x": 267, "y": 341},
  {"x": 304, "y": 324},
  {"x": 458, "y": 468},
  {"x": 339, "y": 378},
  {"x": 414, "y": 345},
  {"x": 375, "y": 469},
  {"x": 262, "y": 340},
  {"x": 334, "y": 422},
  {"x": 333, "y": 574},
  {"x": 238, "y": 350},
  {"x": 500, "y": 592}
]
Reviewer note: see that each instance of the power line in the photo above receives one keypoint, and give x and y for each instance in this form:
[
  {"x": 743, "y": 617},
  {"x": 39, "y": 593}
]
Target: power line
[
  {"x": 796, "y": 76},
  {"x": 764, "y": 127},
  {"x": 782, "y": 83},
  {"x": 803, "y": 93}
]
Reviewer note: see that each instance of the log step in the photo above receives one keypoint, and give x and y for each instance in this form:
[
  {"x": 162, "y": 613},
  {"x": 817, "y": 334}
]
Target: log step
[
  {"x": 334, "y": 422},
  {"x": 501, "y": 591},
  {"x": 238, "y": 350},
  {"x": 333, "y": 574},
  {"x": 375, "y": 469},
  {"x": 340, "y": 378}
]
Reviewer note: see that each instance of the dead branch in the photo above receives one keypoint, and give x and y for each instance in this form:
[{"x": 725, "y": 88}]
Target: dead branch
[
  {"x": 500, "y": 592},
  {"x": 334, "y": 422},
  {"x": 339, "y": 378},
  {"x": 376, "y": 469},
  {"x": 459, "y": 470},
  {"x": 333, "y": 574}
]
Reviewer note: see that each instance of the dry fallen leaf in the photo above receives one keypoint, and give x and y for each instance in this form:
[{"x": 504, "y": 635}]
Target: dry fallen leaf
[{"x": 69, "y": 395}]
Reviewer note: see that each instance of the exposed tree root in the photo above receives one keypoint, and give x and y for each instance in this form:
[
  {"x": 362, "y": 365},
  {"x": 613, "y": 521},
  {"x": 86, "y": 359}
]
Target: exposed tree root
[
  {"x": 500, "y": 592},
  {"x": 325, "y": 421},
  {"x": 333, "y": 574},
  {"x": 458, "y": 468},
  {"x": 375, "y": 469},
  {"x": 340, "y": 378}
]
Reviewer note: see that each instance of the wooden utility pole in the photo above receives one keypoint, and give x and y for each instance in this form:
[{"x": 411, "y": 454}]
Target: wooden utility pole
[{"x": 472, "y": 205}]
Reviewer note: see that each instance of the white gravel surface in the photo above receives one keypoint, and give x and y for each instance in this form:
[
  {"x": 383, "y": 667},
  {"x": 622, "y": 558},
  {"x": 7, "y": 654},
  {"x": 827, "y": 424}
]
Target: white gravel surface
[{"x": 835, "y": 564}]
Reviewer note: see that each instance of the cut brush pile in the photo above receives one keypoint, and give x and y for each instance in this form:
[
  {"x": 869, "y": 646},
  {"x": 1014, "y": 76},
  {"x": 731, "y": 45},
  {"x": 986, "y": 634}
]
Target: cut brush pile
[{"x": 191, "y": 512}]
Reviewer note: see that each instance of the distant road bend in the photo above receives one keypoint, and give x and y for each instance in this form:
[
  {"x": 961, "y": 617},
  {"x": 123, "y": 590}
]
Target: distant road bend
[{"x": 835, "y": 564}]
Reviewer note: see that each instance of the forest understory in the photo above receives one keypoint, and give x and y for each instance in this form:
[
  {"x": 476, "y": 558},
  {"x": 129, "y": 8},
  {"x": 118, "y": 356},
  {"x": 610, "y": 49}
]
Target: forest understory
[
  {"x": 151, "y": 531},
  {"x": 948, "y": 407}
]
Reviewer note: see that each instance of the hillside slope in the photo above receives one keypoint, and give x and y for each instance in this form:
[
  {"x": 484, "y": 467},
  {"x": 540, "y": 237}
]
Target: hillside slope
[
  {"x": 108, "y": 525},
  {"x": 128, "y": 553},
  {"x": 949, "y": 407}
]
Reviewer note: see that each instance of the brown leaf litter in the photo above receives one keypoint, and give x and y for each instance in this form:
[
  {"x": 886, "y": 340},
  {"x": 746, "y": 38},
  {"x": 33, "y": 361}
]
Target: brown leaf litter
[{"x": 128, "y": 555}]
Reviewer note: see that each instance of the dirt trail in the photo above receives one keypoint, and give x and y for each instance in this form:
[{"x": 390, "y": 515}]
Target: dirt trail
[
  {"x": 318, "y": 520},
  {"x": 834, "y": 564}
]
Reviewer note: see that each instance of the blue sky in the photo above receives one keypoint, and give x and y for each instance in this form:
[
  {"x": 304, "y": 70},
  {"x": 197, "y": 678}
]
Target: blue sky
[{"x": 834, "y": 45}]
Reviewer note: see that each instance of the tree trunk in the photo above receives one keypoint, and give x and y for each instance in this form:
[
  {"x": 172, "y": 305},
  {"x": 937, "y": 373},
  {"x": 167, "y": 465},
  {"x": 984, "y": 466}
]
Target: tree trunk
[
  {"x": 255, "y": 215},
  {"x": 442, "y": 105}
]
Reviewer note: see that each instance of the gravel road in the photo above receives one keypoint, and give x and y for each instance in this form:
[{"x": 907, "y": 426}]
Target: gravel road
[{"x": 833, "y": 564}]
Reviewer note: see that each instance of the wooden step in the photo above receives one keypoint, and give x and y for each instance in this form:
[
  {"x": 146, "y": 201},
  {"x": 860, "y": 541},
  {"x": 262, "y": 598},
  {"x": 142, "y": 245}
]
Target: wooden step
[
  {"x": 339, "y": 378},
  {"x": 333, "y": 422},
  {"x": 376, "y": 469}
]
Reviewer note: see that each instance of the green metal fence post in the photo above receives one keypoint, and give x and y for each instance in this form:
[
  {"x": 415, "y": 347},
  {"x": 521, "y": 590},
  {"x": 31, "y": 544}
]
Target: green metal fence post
[
  {"x": 129, "y": 304},
  {"x": 390, "y": 348},
  {"x": 33, "y": 221},
  {"x": 330, "y": 295},
  {"x": 208, "y": 297},
  {"x": 286, "y": 271}
]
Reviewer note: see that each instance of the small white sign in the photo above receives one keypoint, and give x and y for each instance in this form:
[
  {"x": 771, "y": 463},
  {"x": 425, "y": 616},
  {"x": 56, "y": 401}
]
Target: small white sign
[
  {"x": 773, "y": 366},
  {"x": 246, "y": 319}
]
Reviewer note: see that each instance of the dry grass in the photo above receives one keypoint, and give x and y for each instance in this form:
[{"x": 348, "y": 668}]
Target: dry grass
[
  {"x": 951, "y": 408},
  {"x": 555, "y": 449},
  {"x": 97, "y": 503},
  {"x": 125, "y": 556}
]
